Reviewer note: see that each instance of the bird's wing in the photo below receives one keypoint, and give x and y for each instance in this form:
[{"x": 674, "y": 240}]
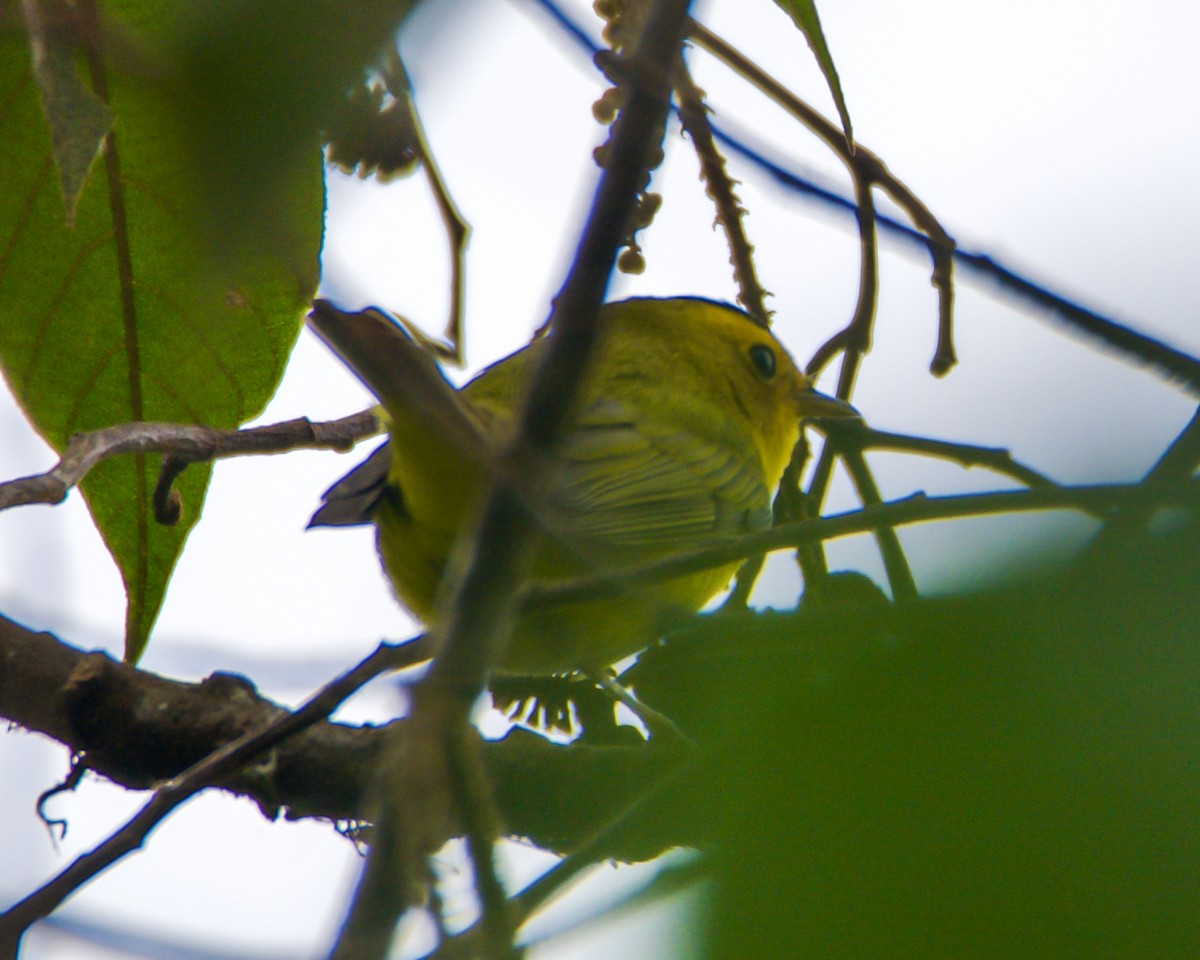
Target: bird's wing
[
  {"x": 352, "y": 499},
  {"x": 627, "y": 488},
  {"x": 633, "y": 487}
]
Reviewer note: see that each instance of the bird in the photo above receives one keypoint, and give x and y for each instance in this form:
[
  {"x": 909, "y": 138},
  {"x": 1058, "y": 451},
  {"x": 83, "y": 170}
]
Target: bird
[{"x": 680, "y": 434}]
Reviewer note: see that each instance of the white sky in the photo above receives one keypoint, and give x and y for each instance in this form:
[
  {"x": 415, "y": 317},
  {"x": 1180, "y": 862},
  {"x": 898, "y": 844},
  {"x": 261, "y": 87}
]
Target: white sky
[{"x": 1061, "y": 137}]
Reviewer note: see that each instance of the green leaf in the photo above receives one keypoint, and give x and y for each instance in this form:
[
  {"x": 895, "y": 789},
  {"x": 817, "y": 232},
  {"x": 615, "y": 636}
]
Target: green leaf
[
  {"x": 804, "y": 15},
  {"x": 78, "y": 120},
  {"x": 256, "y": 84},
  {"x": 128, "y": 313}
]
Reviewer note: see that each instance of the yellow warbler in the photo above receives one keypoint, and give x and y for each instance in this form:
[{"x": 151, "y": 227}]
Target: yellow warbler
[{"x": 681, "y": 433}]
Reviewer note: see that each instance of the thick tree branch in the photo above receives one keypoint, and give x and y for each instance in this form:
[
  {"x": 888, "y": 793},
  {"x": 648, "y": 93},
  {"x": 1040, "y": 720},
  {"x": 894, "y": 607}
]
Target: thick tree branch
[
  {"x": 137, "y": 729},
  {"x": 223, "y": 763}
]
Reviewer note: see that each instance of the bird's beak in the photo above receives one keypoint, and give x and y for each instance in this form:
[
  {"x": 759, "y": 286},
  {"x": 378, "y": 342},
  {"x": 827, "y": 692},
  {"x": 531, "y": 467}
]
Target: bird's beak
[{"x": 819, "y": 406}]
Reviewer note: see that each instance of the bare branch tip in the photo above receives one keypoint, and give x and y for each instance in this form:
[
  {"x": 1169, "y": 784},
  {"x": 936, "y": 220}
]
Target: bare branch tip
[
  {"x": 166, "y": 500},
  {"x": 940, "y": 366}
]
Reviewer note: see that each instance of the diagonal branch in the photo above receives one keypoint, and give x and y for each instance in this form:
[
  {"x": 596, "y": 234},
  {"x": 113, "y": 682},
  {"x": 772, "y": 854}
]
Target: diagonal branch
[{"x": 1093, "y": 499}]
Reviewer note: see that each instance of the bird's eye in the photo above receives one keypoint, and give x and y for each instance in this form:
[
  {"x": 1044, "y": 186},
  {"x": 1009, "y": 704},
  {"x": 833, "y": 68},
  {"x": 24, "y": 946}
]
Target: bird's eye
[{"x": 763, "y": 358}]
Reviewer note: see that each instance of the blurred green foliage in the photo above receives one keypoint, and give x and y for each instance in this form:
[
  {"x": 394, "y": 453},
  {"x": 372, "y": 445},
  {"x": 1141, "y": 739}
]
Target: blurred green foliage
[{"x": 1012, "y": 773}]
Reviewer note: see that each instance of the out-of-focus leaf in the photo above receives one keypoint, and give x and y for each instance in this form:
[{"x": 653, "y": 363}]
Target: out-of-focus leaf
[
  {"x": 255, "y": 85},
  {"x": 127, "y": 314},
  {"x": 804, "y": 15},
  {"x": 1009, "y": 774},
  {"x": 78, "y": 121},
  {"x": 373, "y": 135}
]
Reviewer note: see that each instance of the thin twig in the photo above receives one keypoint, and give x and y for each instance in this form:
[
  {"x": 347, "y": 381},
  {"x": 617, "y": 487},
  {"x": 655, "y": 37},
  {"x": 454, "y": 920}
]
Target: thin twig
[
  {"x": 1096, "y": 500},
  {"x": 1177, "y": 465},
  {"x": 865, "y": 167},
  {"x": 856, "y": 337},
  {"x": 483, "y": 603},
  {"x": 811, "y": 557},
  {"x": 1126, "y": 342},
  {"x": 854, "y": 342},
  {"x": 997, "y": 459},
  {"x": 636, "y": 136},
  {"x": 186, "y": 443},
  {"x": 693, "y": 115},
  {"x": 895, "y": 563},
  {"x": 457, "y": 231},
  {"x": 670, "y": 881},
  {"x": 743, "y": 583},
  {"x": 1162, "y": 358}
]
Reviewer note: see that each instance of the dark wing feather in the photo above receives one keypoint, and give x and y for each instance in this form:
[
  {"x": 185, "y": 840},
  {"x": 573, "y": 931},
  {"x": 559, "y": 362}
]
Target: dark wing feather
[{"x": 352, "y": 500}]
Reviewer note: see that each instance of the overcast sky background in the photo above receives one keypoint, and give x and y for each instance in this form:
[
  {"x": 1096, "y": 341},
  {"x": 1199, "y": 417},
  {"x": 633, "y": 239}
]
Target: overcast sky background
[{"x": 1060, "y": 137}]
